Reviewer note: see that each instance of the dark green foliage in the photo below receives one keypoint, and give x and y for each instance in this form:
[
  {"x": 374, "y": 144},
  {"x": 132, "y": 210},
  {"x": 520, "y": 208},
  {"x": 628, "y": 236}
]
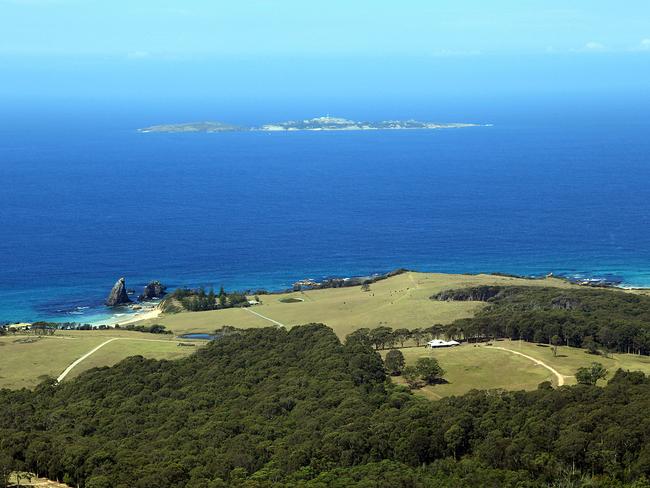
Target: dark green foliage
[
  {"x": 394, "y": 361},
  {"x": 591, "y": 375},
  {"x": 151, "y": 329},
  {"x": 198, "y": 300},
  {"x": 411, "y": 376},
  {"x": 595, "y": 319},
  {"x": 429, "y": 370},
  {"x": 276, "y": 408}
]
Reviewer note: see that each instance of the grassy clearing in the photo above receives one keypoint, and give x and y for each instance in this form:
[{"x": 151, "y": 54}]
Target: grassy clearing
[
  {"x": 400, "y": 301},
  {"x": 569, "y": 359},
  {"x": 468, "y": 368},
  {"x": 482, "y": 367},
  {"x": 114, "y": 352},
  {"x": 26, "y": 364}
]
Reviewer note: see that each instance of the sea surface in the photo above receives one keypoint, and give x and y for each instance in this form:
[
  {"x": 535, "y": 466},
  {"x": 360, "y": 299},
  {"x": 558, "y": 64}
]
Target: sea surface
[{"x": 85, "y": 199}]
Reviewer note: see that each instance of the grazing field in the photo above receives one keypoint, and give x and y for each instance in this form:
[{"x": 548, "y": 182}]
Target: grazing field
[
  {"x": 480, "y": 366},
  {"x": 25, "y": 360},
  {"x": 468, "y": 368},
  {"x": 399, "y": 301},
  {"x": 569, "y": 359},
  {"x": 114, "y": 352}
]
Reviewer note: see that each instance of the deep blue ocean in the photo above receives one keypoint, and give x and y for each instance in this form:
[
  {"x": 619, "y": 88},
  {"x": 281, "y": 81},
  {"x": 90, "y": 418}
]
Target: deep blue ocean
[{"x": 87, "y": 199}]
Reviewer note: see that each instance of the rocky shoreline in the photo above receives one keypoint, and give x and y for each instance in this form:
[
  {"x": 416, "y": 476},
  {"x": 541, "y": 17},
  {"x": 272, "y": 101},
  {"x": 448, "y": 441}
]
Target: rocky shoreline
[{"x": 123, "y": 306}]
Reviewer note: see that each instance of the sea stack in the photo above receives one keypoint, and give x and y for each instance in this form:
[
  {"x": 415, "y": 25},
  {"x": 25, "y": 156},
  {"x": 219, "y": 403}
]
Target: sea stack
[
  {"x": 118, "y": 294},
  {"x": 155, "y": 289}
]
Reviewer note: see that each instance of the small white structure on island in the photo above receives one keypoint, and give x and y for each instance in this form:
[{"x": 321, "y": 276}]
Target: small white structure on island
[{"x": 441, "y": 343}]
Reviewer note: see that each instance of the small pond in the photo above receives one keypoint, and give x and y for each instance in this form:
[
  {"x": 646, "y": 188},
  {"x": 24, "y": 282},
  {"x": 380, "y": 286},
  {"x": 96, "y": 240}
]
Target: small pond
[{"x": 204, "y": 336}]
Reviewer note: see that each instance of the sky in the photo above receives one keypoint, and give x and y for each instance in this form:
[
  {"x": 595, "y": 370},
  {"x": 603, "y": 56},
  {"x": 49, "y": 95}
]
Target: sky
[{"x": 248, "y": 50}]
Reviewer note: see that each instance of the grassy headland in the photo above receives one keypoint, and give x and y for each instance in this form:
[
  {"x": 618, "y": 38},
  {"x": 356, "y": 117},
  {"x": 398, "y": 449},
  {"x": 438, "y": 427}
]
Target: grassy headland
[{"x": 400, "y": 301}]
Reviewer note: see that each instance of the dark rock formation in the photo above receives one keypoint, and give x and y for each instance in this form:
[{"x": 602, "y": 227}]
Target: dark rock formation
[
  {"x": 155, "y": 289},
  {"x": 118, "y": 294},
  {"x": 345, "y": 282}
]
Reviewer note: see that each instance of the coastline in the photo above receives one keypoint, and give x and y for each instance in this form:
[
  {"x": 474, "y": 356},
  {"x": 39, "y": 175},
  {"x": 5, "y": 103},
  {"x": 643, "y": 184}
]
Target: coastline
[
  {"x": 96, "y": 316},
  {"x": 148, "y": 313}
]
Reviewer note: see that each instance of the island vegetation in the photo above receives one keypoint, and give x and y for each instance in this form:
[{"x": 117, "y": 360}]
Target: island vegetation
[{"x": 326, "y": 123}]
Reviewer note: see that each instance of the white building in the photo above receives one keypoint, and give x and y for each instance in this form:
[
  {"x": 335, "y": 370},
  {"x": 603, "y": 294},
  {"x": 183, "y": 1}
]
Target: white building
[{"x": 441, "y": 343}]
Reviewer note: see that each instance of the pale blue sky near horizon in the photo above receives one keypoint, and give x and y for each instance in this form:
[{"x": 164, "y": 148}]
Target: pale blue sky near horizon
[{"x": 162, "y": 49}]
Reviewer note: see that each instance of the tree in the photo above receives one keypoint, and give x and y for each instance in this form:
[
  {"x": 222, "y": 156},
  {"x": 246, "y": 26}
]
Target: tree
[
  {"x": 555, "y": 342},
  {"x": 590, "y": 344},
  {"x": 365, "y": 286},
  {"x": 360, "y": 336},
  {"x": 591, "y": 375},
  {"x": 394, "y": 361},
  {"x": 98, "y": 482},
  {"x": 381, "y": 336},
  {"x": 6, "y": 466},
  {"x": 417, "y": 335},
  {"x": 411, "y": 376},
  {"x": 429, "y": 370},
  {"x": 401, "y": 336},
  {"x": 454, "y": 438}
]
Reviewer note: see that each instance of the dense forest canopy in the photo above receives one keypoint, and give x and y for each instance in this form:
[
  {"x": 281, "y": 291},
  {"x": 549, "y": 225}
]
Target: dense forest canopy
[
  {"x": 608, "y": 319},
  {"x": 277, "y": 408}
]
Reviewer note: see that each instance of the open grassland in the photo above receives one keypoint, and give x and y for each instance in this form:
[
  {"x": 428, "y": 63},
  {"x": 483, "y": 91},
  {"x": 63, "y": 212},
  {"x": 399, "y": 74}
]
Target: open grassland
[
  {"x": 398, "y": 302},
  {"x": 25, "y": 364},
  {"x": 569, "y": 359},
  {"x": 114, "y": 352},
  {"x": 470, "y": 366}
]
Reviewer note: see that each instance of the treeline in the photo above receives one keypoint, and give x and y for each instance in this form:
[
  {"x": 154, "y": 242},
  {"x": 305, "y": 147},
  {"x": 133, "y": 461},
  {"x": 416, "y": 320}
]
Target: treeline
[
  {"x": 197, "y": 300},
  {"x": 48, "y": 328},
  {"x": 384, "y": 337},
  {"x": 149, "y": 329},
  {"x": 270, "y": 408},
  {"x": 605, "y": 319}
]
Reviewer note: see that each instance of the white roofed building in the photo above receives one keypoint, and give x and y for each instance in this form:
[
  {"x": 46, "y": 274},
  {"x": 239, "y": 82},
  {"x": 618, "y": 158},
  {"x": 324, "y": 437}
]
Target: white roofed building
[{"x": 441, "y": 343}]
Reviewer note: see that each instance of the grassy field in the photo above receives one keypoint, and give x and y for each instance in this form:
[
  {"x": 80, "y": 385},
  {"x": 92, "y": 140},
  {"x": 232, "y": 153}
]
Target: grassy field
[
  {"x": 468, "y": 367},
  {"x": 25, "y": 364},
  {"x": 114, "y": 352},
  {"x": 400, "y": 301},
  {"x": 483, "y": 367},
  {"x": 569, "y": 359}
]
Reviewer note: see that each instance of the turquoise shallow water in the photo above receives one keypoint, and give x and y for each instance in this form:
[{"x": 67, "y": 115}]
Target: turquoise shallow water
[{"x": 84, "y": 202}]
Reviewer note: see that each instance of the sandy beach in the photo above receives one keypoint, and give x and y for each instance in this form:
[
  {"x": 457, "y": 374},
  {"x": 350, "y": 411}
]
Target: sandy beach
[{"x": 145, "y": 313}]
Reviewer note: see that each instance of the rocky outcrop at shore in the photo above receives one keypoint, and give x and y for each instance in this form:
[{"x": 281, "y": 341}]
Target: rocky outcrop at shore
[
  {"x": 344, "y": 282},
  {"x": 118, "y": 295},
  {"x": 155, "y": 289}
]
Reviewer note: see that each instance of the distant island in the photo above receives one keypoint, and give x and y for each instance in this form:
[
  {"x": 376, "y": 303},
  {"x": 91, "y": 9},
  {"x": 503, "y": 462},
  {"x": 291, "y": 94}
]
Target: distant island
[{"x": 326, "y": 123}]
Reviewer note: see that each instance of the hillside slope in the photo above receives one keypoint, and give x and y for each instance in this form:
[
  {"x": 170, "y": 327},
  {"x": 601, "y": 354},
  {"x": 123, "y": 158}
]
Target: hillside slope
[{"x": 277, "y": 408}]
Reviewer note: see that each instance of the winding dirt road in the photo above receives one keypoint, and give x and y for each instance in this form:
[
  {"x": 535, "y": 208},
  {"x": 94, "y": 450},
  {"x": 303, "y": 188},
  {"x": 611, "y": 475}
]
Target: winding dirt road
[
  {"x": 93, "y": 351},
  {"x": 559, "y": 376},
  {"x": 266, "y": 318}
]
